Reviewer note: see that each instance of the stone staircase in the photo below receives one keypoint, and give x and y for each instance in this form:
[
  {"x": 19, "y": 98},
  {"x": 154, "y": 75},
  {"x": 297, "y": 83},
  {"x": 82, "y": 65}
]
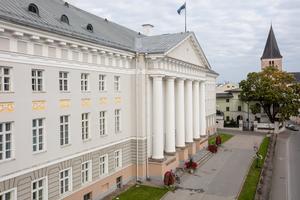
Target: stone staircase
[{"x": 200, "y": 158}]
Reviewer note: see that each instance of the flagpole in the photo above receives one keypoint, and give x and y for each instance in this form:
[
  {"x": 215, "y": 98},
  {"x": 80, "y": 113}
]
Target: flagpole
[{"x": 185, "y": 18}]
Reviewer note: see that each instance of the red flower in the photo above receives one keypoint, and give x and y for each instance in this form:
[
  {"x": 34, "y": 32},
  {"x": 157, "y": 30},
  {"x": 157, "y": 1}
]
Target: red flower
[{"x": 191, "y": 164}]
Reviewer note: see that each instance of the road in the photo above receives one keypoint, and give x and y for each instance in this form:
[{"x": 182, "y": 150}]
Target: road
[
  {"x": 294, "y": 166},
  {"x": 221, "y": 177},
  {"x": 286, "y": 174}
]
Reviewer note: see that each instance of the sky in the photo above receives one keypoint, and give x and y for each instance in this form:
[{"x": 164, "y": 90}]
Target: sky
[{"x": 232, "y": 33}]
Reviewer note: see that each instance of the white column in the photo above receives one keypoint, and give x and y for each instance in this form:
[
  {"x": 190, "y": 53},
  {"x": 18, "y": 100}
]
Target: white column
[
  {"x": 202, "y": 109},
  {"x": 188, "y": 100},
  {"x": 196, "y": 110},
  {"x": 157, "y": 114},
  {"x": 179, "y": 115},
  {"x": 170, "y": 115}
]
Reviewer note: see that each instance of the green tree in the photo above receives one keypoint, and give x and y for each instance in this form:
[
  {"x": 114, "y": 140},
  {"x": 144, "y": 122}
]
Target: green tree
[{"x": 276, "y": 91}]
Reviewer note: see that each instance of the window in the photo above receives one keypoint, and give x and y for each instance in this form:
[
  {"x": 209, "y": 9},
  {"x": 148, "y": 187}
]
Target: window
[
  {"x": 90, "y": 28},
  {"x": 39, "y": 190},
  {"x": 37, "y": 80},
  {"x": 117, "y": 83},
  {"x": 227, "y": 108},
  {"x": 5, "y": 141},
  {"x": 64, "y": 130},
  {"x": 227, "y": 118},
  {"x": 102, "y": 121},
  {"x": 102, "y": 82},
  {"x": 84, "y": 82},
  {"x": 239, "y": 108},
  {"x": 8, "y": 195},
  {"x": 65, "y": 181},
  {"x": 85, "y": 126},
  {"x": 5, "y": 79},
  {"x": 63, "y": 81},
  {"x": 119, "y": 182},
  {"x": 64, "y": 19},
  {"x": 118, "y": 159},
  {"x": 117, "y": 121},
  {"x": 86, "y": 174},
  {"x": 103, "y": 165},
  {"x": 33, "y": 8},
  {"x": 37, "y": 135},
  {"x": 88, "y": 196},
  {"x": 227, "y": 100}
]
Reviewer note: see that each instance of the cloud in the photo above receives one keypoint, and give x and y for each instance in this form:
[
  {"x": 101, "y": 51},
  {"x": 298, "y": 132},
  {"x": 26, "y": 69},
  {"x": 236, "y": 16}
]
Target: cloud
[{"x": 231, "y": 32}]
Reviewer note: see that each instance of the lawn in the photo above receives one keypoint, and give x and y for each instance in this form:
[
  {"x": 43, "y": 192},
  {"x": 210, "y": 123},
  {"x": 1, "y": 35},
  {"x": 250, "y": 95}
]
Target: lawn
[
  {"x": 249, "y": 187},
  {"x": 224, "y": 137},
  {"x": 142, "y": 192}
]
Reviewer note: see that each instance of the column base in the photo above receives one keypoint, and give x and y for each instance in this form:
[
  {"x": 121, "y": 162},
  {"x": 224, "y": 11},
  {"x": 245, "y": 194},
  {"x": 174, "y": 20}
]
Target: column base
[
  {"x": 183, "y": 153},
  {"x": 170, "y": 153},
  {"x": 202, "y": 143},
  {"x": 158, "y": 168}
]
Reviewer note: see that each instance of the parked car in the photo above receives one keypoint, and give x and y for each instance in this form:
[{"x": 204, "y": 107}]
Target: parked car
[{"x": 291, "y": 127}]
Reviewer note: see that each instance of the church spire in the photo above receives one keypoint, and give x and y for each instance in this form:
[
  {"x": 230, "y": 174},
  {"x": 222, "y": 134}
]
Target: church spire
[
  {"x": 271, "y": 50},
  {"x": 271, "y": 55}
]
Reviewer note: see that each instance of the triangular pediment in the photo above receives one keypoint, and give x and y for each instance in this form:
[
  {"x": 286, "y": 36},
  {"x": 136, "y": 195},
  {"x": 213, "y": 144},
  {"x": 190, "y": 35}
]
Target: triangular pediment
[{"x": 189, "y": 51}]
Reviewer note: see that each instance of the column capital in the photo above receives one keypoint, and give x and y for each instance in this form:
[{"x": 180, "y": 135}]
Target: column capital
[
  {"x": 170, "y": 78},
  {"x": 156, "y": 75},
  {"x": 180, "y": 78}
]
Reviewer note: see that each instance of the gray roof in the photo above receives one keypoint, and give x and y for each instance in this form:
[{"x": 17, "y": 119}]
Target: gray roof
[
  {"x": 159, "y": 43},
  {"x": 104, "y": 32},
  {"x": 234, "y": 90},
  {"x": 224, "y": 95},
  {"x": 296, "y": 75},
  {"x": 271, "y": 49}
]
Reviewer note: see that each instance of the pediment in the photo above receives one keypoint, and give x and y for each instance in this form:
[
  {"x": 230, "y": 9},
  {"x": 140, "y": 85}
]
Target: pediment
[{"x": 189, "y": 51}]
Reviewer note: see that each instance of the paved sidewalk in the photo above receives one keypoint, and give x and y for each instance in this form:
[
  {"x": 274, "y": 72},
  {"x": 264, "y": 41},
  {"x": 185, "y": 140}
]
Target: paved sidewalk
[{"x": 221, "y": 177}]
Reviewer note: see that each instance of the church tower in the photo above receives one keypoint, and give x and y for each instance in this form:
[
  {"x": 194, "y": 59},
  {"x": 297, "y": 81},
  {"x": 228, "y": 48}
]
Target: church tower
[{"x": 271, "y": 55}]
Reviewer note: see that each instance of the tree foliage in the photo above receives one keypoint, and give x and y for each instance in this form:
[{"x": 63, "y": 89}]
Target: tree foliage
[{"x": 276, "y": 91}]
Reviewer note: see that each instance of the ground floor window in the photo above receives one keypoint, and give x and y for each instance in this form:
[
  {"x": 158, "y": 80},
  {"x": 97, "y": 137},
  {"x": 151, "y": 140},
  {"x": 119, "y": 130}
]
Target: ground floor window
[
  {"x": 119, "y": 182},
  {"x": 39, "y": 190},
  {"x": 87, "y": 196},
  {"x": 8, "y": 195}
]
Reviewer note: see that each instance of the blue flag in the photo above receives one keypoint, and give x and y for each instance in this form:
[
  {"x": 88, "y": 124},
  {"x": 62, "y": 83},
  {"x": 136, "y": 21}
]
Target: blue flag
[{"x": 180, "y": 9}]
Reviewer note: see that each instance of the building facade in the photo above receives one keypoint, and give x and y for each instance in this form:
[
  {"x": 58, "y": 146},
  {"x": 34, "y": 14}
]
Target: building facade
[{"x": 87, "y": 105}]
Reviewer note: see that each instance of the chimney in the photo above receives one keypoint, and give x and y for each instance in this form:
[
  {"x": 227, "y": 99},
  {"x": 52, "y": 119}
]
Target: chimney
[{"x": 147, "y": 28}]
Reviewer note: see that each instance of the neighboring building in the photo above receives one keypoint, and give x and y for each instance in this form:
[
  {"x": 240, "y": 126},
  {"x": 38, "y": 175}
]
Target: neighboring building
[
  {"x": 271, "y": 55},
  {"x": 226, "y": 86},
  {"x": 232, "y": 107},
  {"x": 87, "y": 105},
  {"x": 296, "y": 75}
]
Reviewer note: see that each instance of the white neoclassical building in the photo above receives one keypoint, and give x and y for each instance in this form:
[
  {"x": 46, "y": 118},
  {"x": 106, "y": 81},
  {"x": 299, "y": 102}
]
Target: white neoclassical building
[{"x": 87, "y": 105}]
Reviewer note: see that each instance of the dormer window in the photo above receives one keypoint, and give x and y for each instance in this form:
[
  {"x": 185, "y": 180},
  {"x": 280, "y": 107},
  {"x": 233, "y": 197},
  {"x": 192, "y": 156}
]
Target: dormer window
[
  {"x": 90, "y": 28},
  {"x": 33, "y": 8},
  {"x": 66, "y": 4},
  {"x": 64, "y": 19}
]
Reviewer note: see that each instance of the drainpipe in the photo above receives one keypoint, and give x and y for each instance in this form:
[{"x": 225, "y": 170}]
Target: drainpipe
[{"x": 137, "y": 131}]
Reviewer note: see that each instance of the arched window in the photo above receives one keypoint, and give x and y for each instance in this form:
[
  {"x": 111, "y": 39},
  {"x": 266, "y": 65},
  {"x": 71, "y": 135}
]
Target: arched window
[
  {"x": 64, "y": 19},
  {"x": 33, "y": 8},
  {"x": 90, "y": 28}
]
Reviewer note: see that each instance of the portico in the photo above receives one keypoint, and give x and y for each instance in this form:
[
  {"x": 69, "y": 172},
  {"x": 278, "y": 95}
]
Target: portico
[
  {"x": 184, "y": 111},
  {"x": 180, "y": 92}
]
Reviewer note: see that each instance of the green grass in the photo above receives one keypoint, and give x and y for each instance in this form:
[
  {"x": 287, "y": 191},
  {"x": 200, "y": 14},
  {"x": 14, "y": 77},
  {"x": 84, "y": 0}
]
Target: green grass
[
  {"x": 142, "y": 192},
  {"x": 249, "y": 187},
  {"x": 224, "y": 137}
]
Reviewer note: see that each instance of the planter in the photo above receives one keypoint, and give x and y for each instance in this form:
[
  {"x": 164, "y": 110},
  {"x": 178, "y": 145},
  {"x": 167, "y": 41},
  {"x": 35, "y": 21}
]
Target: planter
[{"x": 213, "y": 148}]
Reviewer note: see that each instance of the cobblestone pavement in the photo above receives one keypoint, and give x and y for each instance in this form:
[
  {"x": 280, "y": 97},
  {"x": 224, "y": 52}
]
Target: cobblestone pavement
[{"x": 221, "y": 177}]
